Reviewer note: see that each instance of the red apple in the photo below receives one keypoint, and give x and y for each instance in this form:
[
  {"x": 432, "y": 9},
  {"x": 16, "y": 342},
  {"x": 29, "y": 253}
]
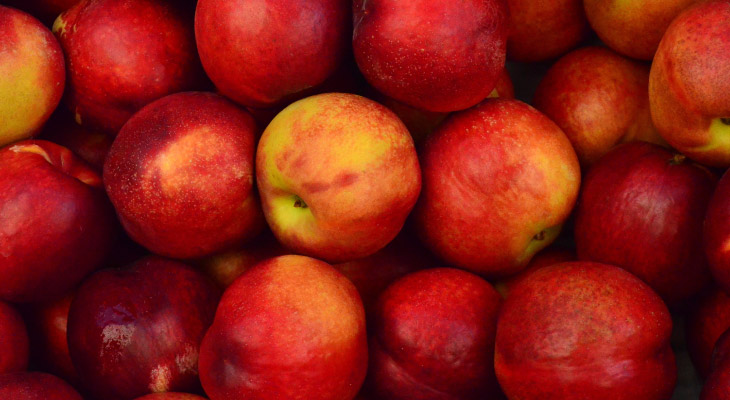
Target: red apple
[
  {"x": 137, "y": 330},
  {"x": 452, "y": 63},
  {"x": 499, "y": 180},
  {"x": 13, "y": 340},
  {"x": 32, "y": 75},
  {"x": 584, "y": 330},
  {"x": 170, "y": 396},
  {"x": 124, "y": 54},
  {"x": 641, "y": 208},
  {"x": 180, "y": 175},
  {"x": 689, "y": 92},
  {"x": 434, "y": 337},
  {"x": 717, "y": 233},
  {"x": 291, "y": 327},
  {"x": 706, "y": 321},
  {"x": 35, "y": 386},
  {"x": 56, "y": 225},
  {"x": 91, "y": 146},
  {"x": 545, "y": 258},
  {"x": 717, "y": 385}
]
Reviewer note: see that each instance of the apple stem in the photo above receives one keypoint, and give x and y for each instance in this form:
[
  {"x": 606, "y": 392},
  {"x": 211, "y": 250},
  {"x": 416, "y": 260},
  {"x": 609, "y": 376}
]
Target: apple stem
[
  {"x": 299, "y": 203},
  {"x": 677, "y": 159}
]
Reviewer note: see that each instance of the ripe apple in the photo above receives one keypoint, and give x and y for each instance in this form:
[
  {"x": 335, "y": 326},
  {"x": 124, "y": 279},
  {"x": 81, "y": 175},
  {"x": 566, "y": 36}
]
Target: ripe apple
[
  {"x": 717, "y": 233},
  {"x": 124, "y": 54},
  {"x": 291, "y": 327},
  {"x": 599, "y": 99},
  {"x": 434, "y": 337},
  {"x": 13, "y": 340},
  {"x": 717, "y": 385},
  {"x": 338, "y": 175},
  {"x": 170, "y": 396},
  {"x": 90, "y": 145},
  {"x": 451, "y": 64},
  {"x": 35, "y": 386},
  {"x": 137, "y": 330},
  {"x": 180, "y": 175},
  {"x": 641, "y": 208},
  {"x": 32, "y": 75},
  {"x": 689, "y": 92},
  {"x": 706, "y": 321},
  {"x": 545, "y": 258},
  {"x": 499, "y": 180},
  {"x": 56, "y": 224},
  {"x": 584, "y": 330}
]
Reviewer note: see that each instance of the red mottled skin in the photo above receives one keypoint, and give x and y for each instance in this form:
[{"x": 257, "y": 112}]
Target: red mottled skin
[
  {"x": 170, "y": 396},
  {"x": 434, "y": 337},
  {"x": 541, "y": 30},
  {"x": 584, "y": 330},
  {"x": 13, "y": 340},
  {"x": 180, "y": 175},
  {"x": 717, "y": 385},
  {"x": 545, "y": 258},
  {"x": 291, "y": 327},
  {"x": 641, "y": 209},
  {"x": 35, "y": 386},
  {"x": 453, "y": 63},
  {"x": 689, "y": 92},
  {"x": 599, "y": 99},
  {"x": 717, "y": 233},
  {"x": 124, "y": 54},
  {"x": 56, "y": 224},
  {"x": 499, "y": 180},
  {"x": 137, "y": 330},
  {"x": 706, "y": 322},
  {"x": 91, "y": 146}
]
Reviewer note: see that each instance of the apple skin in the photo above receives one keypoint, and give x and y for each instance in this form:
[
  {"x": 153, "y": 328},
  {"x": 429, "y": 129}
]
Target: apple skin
[
  {"x": 452, "y": 64},
  {"x": 180, "y": 175},
  {"x": 633, "y": 28},
  {"x": 641, "y": 208},
  {"x": 434, "y": 337},
  {"x": 91, "y": 146},
  {"x": 542, "y": 30},
  {"x": 124, "y": 54},
  {"x": 14, "y": 345},
  {"x": 499, "y": 180},
  {"x": 137, "y": 330},
  {"x": 338, "y": 175},
  {"x": 717, "y": 234},
  {"x": 689, "y": 92},
  {"x": 35, "y": 386},
  {"x": 584, "y": 330},
  {"x": 32, "y": 75},
  {"x": 56, "y": 224},
  {"x": 170, "y": 396},
  {"x": 545, "y": 258},
  {"x": 599, "y": 99},
  {"x": 717, "y": 385},
  {"x": 706, "y": 322},
  {"x": 291, "y": 327}
]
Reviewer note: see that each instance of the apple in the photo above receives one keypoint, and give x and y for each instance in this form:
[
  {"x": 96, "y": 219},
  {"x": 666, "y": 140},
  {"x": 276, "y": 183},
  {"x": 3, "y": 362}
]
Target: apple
[
  {"x": 14, "y": 345},
  {"x": 717, "y": 234},
  {"x": 541, "y": 30},
  {"x": 338, "y": 175},
  {"x": 641, "y": 208},
  {"x": 32, "y": 75},
  {"x": 291, "y": 327},
  {"x": 633, "y": 28},
  {"x": 137, "y": 330},
  {"x": 35, "y": 386},
  {"x": 582, "y": 330},
  {"x": 434, "y": 337},
  {"x": 545, "y": 258},
  {"x": 90, "y": 145},
  {"x": 706, "y": 321},
  {"x": 180, "y": 175},
  {"x": 599, "y": 99},
  {"x": 689, "y": 92},
  {"x": 499, "y": 180},
  {"x": 717, "y": 385},
  {"x": 56, "y": 224},
  {"x": 452, "y": 63},
  {"x": 170, "y": 396},
  {"x": 124, "y": 54}
]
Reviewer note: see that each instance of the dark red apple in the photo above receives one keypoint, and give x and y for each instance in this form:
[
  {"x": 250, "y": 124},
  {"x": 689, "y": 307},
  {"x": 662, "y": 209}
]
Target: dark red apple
[
  {"x": 170, "y": 396},
  {"x": 545, "y": 258},
  {"x": 35, "y": 386},
  {"x": 706, "y": 321},
  {"x": 434, "y": 337},
  {"x": 91, "y": 146},
  {"x": 137, "y": 330},
  {"x": 717, "y": 233},
  {"x": 56, "y": 224},
  {"x": 13, "y": 340},
  {"x": 717, "y": 385}
]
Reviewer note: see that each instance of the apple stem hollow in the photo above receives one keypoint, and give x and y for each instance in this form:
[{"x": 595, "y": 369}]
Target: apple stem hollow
[
  {"x": 725, "y": 121},
  {"x": 678, "y": 159},
  {"x": 299, "y": 203},
  {"x": 540, "y": 235}
]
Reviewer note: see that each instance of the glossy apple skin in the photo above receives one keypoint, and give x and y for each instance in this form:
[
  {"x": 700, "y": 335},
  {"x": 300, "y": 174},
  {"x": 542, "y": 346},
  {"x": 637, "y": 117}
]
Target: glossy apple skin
[
  {"x": 56, "y": 224},
  {"x": 434, "y": 337},
  {"x": 338, "y": 175},
  {"x": 35, "y": 386},
  {"x": 499, "y": 180},
  {"x": 137, "y": 330},
  {"x": 32, "y": 75},
  {"x": 124, "y": 54},
  {"x": 542, "y": 30},
  {"x": 452, "y": 64},
  {"x": 90, "y": 145},
  {"x": 170, "y": 396},
  {"x": 180, "y": 175},
  {"x": 545, "y": 258},
  {"x": 261, "y": 52},
  {"x": 641, "y": 208},
  {"x": 14, "y": 347},
  {"x": 584, "y": 330},
  {"x": 706, "y": 322},
  {"x": 633, "y": 28},
  {"x": 717, "y": 385},
  {"x": 599, "y": 99},
  {"x": 717, "y": 234},
  {"x": 689, "y": 92},
  {"x": 291, "y": 327}
]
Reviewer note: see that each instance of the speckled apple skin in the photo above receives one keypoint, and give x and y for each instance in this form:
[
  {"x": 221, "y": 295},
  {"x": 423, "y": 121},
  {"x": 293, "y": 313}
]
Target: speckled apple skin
[{"x": 35, "y": 386}]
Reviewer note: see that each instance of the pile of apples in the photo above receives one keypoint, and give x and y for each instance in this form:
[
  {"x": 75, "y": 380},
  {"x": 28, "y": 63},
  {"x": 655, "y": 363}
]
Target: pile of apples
[{"x": 336, "y": 200}]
